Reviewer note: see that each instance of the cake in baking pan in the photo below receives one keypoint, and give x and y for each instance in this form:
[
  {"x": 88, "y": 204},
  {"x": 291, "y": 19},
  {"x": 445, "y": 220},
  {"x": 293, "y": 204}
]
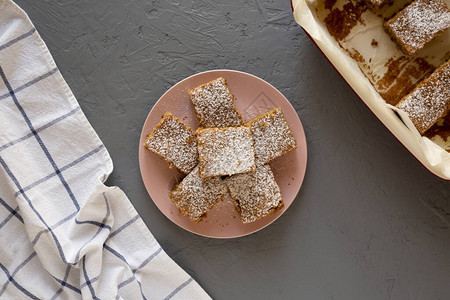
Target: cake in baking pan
[
  {"x": 418, "y": 23},
  {"x": 430, "y": 100}
]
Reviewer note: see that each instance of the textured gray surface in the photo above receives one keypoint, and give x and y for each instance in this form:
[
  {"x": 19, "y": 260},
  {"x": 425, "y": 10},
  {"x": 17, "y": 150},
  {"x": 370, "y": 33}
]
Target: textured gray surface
[{"x": 369, "y": 222}]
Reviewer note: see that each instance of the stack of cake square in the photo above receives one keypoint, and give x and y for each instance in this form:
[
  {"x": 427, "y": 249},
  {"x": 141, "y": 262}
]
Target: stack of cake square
[{"x": 223, "y": 155}]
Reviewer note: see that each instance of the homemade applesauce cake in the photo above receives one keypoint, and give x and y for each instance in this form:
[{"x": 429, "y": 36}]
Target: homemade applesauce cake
[
  {"x": 223, "y": 146},
  {"x": 430, "y": 100},
  {"x": 214, "y": 104},
  {"x": 175, "y": 142},
  {"x": 225, "y": 151},
  {"x": 255, "y": 194},
  {"x": 272, "y": 136},
  {"x": 419, "y": 23},
  {"x": 195, "y": 196}
]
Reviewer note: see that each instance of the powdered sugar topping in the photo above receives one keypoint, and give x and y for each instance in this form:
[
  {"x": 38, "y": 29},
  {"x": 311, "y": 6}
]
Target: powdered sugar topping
[
  {"x": 420, "y": 22},
  {"x": 272, "y": 136},
  {"x": 195, "y": 196},
  {"x": 256, "y": 194},
  {"x": 430, "y": 100},
  {"x": 225, "y": 151},
  {"x": 215, "y": 105},
  {"x": 175, "y": 142}
]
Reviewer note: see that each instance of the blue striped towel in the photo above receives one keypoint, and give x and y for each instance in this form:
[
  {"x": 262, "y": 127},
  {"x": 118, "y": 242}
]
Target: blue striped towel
[{"x": 64, "y": 234}]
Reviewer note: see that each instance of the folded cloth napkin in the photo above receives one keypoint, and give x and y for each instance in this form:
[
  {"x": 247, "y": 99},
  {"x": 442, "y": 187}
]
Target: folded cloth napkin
[{"x": 64, "y": 234}]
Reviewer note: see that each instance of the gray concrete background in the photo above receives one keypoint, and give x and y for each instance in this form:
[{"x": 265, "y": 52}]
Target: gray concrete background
[{"x": 369, "y": 222}]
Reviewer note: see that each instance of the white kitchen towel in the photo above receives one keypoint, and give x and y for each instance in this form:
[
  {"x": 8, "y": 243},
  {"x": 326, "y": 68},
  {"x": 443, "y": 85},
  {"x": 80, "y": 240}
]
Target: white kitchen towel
[{"x": 63, "y": 233}]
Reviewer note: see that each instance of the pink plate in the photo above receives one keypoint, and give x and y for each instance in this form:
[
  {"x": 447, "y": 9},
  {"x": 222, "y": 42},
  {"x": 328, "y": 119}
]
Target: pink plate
[{"x": 253, "y": 96}]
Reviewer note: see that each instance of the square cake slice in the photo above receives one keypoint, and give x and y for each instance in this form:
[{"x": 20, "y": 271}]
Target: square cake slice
[
  {"x": 195, "y": 196},
  {"x": 225, "y": 151},
  {"x": 255, "y": 194},
  {"x": 430, "y": 100},
  {"x": 419, "y": 23},
  {"x": 271, "y": 135},
  {"x": 214, "y": 105},
  {"x": 175, "y": 142}
]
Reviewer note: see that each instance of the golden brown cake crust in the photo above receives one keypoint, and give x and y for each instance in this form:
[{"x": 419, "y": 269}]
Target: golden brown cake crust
[
  {"x": 214, "y": 104},
  {"x": 225, "y": 151},
  {"x": 175, "y": 142},
  {"x": 430, "y": 100},
  {"x": 418, "y": 23},
  {"x": 271, "y": 135}
]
